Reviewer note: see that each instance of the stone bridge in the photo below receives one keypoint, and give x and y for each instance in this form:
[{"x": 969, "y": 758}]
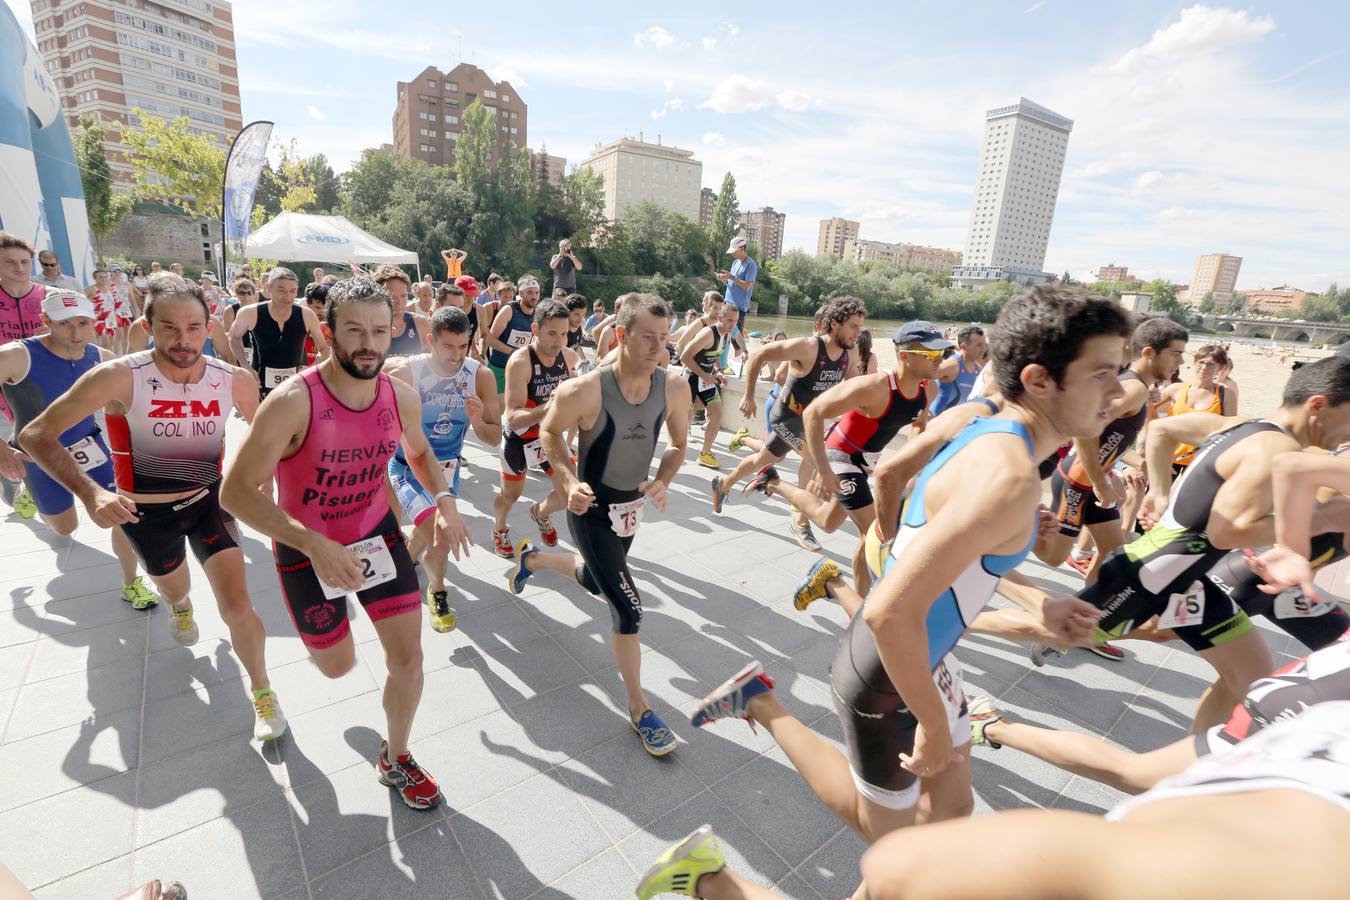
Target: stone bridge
[{"x": 1317, "y": 333}]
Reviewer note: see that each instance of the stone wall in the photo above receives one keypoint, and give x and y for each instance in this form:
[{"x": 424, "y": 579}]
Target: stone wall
[{"x": 151, "y": 233}]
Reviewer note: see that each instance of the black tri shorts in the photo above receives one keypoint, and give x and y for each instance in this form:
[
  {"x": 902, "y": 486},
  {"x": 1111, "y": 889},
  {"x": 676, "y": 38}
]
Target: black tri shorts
[{"x": 162, "y": 532}]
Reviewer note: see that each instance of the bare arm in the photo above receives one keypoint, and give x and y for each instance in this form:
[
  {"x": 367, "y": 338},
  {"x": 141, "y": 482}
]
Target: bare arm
[
  {"x": 106, "y": 384},
  {"x": 1230, "y": 400},
  {"x": 678, "y": 400},
  {"x": 492, "y": 336},
  {"x": 895, "y": 471},
  {"x": 600, "y": 327},
  {"x": 315, "y": 332},
  {"x": 518, "y": 416},
  {"x": 575, "y": 405},
  {"x": 488, "y": 423},
  {"x": 1164, "y": 436},
  {"x": 689, "y": 355},
  {"x": 244, "y": 320},
  {"x": 868, "y": 394},
  {"x": 555, "y": 261},
  {"x": 688, "y": 333}
]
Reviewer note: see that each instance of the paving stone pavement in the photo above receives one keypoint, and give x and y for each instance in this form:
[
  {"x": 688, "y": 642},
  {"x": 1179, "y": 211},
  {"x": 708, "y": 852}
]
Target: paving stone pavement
[{"x": 125, "y": 757}]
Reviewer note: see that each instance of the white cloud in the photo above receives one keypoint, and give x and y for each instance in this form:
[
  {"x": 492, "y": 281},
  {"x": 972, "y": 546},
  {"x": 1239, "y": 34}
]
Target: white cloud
[
  {"x": 709, "y": 43},
  {"x": 1201, "y": 29},
  {"x": 315, "y": 113},
  {"x": 674, "y": 104},
  {"x": 1147, "y": 181},
  {"x": 1032, "y": 8},
  {"x": 740, "y": 94},
  {"x": 730, "y": 28},
  {"x": 506, "y": 73},
  {"x": 713, "y": 139},
  {"x": 656, "y": 36},
  {"x": 669, "y": 85}
]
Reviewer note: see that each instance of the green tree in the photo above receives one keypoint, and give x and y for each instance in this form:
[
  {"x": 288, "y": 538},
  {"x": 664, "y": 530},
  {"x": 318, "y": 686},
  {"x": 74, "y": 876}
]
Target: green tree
[
  {"x": 583, "y": 197},
  {"x": 1207, "y": 302},
  {"x": 1319, "y": 309},
  {"x": 425, "y": 211},
  {"x": 726, "y": 219},
  {"x": 473, "y": 148},
  {"x": 325, "y": 182},
  {"x": 367, "y": 187},
  {"x": 104, "y": 206},
  {"x": 174, "y": 165}
]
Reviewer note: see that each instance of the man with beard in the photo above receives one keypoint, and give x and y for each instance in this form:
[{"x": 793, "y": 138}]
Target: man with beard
[
  {"x": 510, "y": 329},
  {"x": 277, "y": 328},
  {"x": 166, "y": 410},
  {"x": 328, "y": 437}
]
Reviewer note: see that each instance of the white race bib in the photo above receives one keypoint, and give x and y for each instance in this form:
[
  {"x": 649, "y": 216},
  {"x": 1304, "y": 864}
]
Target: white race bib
[
  {"x": 88, "y": 454},
  {"x": 1184, "y": 609},
  {"x": 272, "y": 378},
  {"x": 704, "y": 385},
  {"x": 534, "y": 453},
  {"x": 377, "y": 566},
  {"x": 1294, "y": 604},
  {"x": 870, "y": 460},
  {"x": 624, "y": 517},
  {"x": 517, "y": 339},
  {"x": 248, "y": 356},
  {"x": 449, "y": 467}
]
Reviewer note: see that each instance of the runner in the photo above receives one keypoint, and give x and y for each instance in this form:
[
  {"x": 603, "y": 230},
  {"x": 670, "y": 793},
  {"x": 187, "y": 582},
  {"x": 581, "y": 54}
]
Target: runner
[
  {"x": 410, "y": 328},
  {"x": 1221, "y": 502},
  {"x": 871, "y": 410},
  {"x": 452, "y": 296},
  {"x": 1286, "y": 796},
  {"x": 576, "y": 315},
  {"x": 534, "y": 372},
  {"x": 1319, "y": 677},
  {"x": 104, "y": 298},
  {"x": 897, "y": 688},
  {"x": 424, "y": 298},
  {"x": 20, "y": 317},
  {"x": 456, "y": 393},
  {"x": 815, "y": 364},
  {"x": 617, "y": 411},
  {"x": 316, "y": 298},
  {"x": 277, "y": 328},
  {"x": 166, "y": 411},
  {"x": 959, "y": 372},
  {"x": 34, "y": 372},
  {"x": 701, "y": 356},
  {"x": 328, "y": 437},
  {"x": 511, "y": 328},
  {"x": 1202, "y": 394},
  {"x": 712, "y": 305},
  {"x": 1084, "y": 489}
]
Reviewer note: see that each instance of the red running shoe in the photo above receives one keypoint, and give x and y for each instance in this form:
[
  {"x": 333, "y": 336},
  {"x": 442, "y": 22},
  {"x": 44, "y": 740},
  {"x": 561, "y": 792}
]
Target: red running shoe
[
  {"x": 418, "y": 789},
  {"x": 547, "y": 533},
  {"x": 502, "y": 543}
]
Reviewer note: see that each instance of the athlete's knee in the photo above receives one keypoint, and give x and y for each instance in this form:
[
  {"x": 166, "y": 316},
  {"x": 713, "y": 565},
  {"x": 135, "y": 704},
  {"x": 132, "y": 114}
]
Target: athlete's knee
[
  {"x": 62, "y": 524},
  {"x": 338, "y": 662},
  {"x": 404, "y": 660}
]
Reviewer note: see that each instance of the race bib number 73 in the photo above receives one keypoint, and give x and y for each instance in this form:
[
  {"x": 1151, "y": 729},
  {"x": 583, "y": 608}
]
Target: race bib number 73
[{"x": 624, "y": 517}]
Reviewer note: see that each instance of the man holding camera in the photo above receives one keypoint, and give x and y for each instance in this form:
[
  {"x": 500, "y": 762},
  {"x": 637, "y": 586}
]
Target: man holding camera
[{"x": 565, "y": 267}]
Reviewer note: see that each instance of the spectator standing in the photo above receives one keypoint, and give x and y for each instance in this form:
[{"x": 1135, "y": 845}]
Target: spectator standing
[
  {"x": 51, "y": 275},
  {"x": 565, "y": 267},
  {"x": 740, "y": 279}
]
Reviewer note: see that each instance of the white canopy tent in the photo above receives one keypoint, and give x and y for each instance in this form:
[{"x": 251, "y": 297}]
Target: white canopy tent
[{"x": 305, "y": 237}]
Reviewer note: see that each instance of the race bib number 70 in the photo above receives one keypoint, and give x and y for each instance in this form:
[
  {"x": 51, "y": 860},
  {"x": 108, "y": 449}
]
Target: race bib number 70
[{"x": 377, "y": 566}]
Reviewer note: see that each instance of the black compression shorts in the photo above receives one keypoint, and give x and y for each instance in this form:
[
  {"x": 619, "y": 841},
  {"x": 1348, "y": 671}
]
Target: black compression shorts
[
  {"x": 605, "y": 552},
  {"x": 855, "y": 490},
  {"x": 162, "y": 532},
  {"x": 1233, "y": 576},
  {"x": 786, "y": 432},
  {"x": 1076, "y": 506},
  {"x": 706, "y": 396},
  {"x": 322, "y": 622}
]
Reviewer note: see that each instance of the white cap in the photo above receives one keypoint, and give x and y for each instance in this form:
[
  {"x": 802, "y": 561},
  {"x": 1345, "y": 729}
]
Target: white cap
[
  {"x": 60, "y": 305},
  {"x": 737, "y": 243}
]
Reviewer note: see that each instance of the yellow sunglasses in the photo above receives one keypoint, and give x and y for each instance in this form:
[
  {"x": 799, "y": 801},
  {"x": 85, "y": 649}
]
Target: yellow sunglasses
[{"x": 927, "y": 354}]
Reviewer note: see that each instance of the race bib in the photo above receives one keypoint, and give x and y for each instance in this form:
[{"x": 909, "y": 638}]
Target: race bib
[
  {"x": 273, "y": 378},
  {"x": 248, "y": 356},
  {"x": 449, "y": 467},
  {"x": 1294, "y": 604},
  {"x": 1184, "y": 609},
  {"x": 624, "y": 517},
  {"x": 534, "y": 453},
  {"x": 88, "y": 454},
  {"x": 870, "y": 460},
  {"x": 948, "y": 678},
  {"x": 377, "y": 566},
  {"x": 706, "y": 385},
  {"x": 517, "y": 339}
]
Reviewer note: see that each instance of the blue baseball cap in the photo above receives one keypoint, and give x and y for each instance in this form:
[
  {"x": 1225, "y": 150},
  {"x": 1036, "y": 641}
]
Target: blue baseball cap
[{"x": 925, "y": 334}]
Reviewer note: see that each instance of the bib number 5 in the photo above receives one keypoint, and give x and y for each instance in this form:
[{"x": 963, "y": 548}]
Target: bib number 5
[{"x": 1184, "y": 609}]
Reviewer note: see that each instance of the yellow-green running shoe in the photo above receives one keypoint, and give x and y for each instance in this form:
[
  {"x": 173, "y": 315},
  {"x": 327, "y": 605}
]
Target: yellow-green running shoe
[
  {"x": 816, "y": 584},
  {"x": 442, "y": 617},
  {"x": 738, "y": 439},
  {"x": 24, "y": 505},
  {"x": 679, "y": 868},
  {"x": 138, "y": 595}
]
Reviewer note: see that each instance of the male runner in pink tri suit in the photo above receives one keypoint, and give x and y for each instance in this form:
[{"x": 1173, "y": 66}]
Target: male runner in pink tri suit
[{"x": 328, "y": 435}]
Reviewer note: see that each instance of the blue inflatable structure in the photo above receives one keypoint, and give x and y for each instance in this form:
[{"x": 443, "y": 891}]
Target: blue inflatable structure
[{"x": 41, "y": 197}]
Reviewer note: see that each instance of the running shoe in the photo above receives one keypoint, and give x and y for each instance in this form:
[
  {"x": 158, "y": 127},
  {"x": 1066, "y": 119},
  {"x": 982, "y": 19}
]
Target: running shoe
[
  {"x": 1108, "y": 651},
  {"x": 24, "y": 505},
  {"x": 1042, "y": 653},
  {"x": 982, "y": 715},
  {"x": 182, "y": 626},
  {"x": 516, "y": 578},
  {"x": 760, "y": 482},
  {"x": 707, "y": 459},
  {"x": 719, "y": 496},
  {"x": 804, "y": 536},
  {"x": 731, "y": 699},
  {"x": 678, "y": 870},
  {"x": 8, "y": 490},
  {"x": 418, "y": 789},
  {"x": 738, "y": 439},
  {"x": 138, "y": 595},
  {"x": 501, "y": 541},
  {"x": 700, "y": 418},
  {"x": 657, "y": 739},
  {"x": 442, "y": 616},
  {"x": 815, "y": 587},
  {"x": 547, "y": 533},
  {"x": 1079, "y": 565},
  {"x": 271, "y": 723}
]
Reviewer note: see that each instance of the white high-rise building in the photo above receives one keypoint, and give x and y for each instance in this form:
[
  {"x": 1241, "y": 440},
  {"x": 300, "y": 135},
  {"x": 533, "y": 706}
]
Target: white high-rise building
[
  {"x": 1015, "y": 194},
  {"x": 635, "y": 171}
]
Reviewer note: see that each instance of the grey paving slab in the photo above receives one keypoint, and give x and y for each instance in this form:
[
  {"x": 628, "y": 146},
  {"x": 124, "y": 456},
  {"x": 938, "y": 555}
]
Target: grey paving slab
[
  {"x": 602, "y": 877},
  {"x": 67, "y": 758},
  {"x": 834, "y": 869},
  {"x": 47, "y": 840},
  {"x": 425, "y": 864},
  {"x": 108, "y": 879}
]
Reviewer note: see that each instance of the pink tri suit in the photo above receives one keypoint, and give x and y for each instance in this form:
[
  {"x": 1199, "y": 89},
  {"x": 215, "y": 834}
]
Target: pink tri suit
[
  {"x": 20, "y": 317},
  {"x": 335, "y": 485}
]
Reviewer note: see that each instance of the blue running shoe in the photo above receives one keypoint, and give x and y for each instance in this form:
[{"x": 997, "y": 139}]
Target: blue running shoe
[
  {"x": 657, "y": 739},
  {"x": 516, "y": 578},
  {"x": 732, "y": 699}
]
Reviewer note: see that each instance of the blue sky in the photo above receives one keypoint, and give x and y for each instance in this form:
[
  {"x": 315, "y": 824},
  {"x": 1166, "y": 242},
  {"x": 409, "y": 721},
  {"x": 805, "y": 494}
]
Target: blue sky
[{"x": 1197, "y": 128}]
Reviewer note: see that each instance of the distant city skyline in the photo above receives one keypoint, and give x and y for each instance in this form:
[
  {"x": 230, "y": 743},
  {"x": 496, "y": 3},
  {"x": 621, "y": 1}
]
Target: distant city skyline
[{"x": 1195, "y": 126}]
